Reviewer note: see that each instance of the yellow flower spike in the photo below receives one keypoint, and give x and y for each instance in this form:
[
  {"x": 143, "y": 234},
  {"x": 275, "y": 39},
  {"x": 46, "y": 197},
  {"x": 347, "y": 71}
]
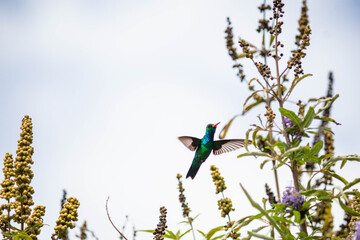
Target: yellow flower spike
[{"x": 68, "y": 214}]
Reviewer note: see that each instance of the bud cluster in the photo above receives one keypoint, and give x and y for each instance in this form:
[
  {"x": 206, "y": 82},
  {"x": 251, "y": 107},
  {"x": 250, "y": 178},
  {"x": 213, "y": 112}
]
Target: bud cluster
[
  {"x": 303, "y": 22},
  {"x": 182, "y": 198},
  {"x": 278, "y": 12},
  {"x": 160, "y": 230},
  {"x": 245, "y": 47},
  {"x": 7, "y": 192},
  {"x": 23, "y": 172},
  {"x": 299, "y": 54},
  {"x": 264, "y": 70},
  {"x": 269, "y": 114},
  {"x": 229, "y": 41},
  {"x": 35, "y": 222},
  {"x": 354, "y": 224},
  {"x": 270, "y": 194},
  {"x": 263, "y": 23},
  {"x": 329, "y": 143},
  {"x": 68, "y": 215},
  {"x": 225, "y": 205},
  {"x": 217, "y": 179}
]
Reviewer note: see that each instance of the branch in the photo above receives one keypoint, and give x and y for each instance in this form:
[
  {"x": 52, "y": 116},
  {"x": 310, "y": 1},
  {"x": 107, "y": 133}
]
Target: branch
[{"x": 107, "y": 212}]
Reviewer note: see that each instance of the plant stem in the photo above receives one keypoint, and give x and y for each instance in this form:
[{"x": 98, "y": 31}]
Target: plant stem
[
  {"x": 192, "y": 228},
  {"x": 268, "y": 102},
  {"x": 294, "y": 169}
]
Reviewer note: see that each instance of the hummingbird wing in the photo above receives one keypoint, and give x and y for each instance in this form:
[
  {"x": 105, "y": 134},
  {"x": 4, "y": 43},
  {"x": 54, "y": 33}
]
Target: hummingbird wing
[
  {"x": 190, "y": 142},
  {"x": 228, "y": 145}
]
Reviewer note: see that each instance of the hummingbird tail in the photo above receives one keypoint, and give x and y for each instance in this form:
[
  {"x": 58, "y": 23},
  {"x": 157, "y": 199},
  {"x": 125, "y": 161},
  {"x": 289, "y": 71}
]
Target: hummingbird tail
[{"x": 193, "y": 171}]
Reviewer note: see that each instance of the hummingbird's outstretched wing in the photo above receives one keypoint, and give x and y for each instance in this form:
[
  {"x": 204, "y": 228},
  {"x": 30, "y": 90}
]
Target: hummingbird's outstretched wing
[
  {"x": 190, "y": 142},
  {"x": 228, "y": 145}
]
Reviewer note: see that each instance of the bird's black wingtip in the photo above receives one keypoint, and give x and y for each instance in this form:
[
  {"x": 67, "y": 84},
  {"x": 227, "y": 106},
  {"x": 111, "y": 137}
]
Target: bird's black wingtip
[{"x": 188, "y": 175}]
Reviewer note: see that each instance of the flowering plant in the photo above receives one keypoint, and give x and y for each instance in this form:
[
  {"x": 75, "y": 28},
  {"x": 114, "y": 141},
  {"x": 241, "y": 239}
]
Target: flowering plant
[{"x": 288, "y": 138}]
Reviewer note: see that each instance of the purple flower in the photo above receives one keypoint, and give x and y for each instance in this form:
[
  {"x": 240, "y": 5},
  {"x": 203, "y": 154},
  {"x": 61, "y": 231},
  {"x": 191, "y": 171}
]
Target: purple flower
[
  {"x": 288, "y": 122},
  {"x": 290, "y": 200},
  {"x": 357, "y": 233},
  {"x": 295, "y": 132}
]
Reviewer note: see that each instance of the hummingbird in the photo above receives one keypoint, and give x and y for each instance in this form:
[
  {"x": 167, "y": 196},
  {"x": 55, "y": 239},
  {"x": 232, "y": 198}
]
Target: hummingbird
[{"x": 207, "y": 144}]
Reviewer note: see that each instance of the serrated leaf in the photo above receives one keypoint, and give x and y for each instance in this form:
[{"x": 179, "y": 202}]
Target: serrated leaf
[{"x": 291, "y": 115}]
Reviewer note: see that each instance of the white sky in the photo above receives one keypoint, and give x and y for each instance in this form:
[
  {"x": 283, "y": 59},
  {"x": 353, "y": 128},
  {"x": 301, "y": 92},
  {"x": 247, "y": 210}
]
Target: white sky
[{"x": 111, "y": 84}]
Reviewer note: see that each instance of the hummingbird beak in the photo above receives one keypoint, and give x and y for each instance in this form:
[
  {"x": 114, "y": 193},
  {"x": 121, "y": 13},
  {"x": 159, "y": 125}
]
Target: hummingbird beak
[{"x": 215, "y": 125}]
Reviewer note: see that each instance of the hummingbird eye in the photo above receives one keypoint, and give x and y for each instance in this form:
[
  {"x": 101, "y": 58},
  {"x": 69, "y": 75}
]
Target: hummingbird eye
[{"x": 209, "y": 125}]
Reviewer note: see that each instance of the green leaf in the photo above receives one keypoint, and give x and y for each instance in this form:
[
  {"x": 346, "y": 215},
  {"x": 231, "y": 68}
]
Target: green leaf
[
  {"x": 264, "y": 162},
  {"x": 250, "y": 97},
  {"x": 320, "y": 194},
  {"x": 272, "y": 38},
  {"x": 258, "y": 235},
  {"x": 298, "y": 149},
  {"x": 329, "y": 102},
  {"x": 148, "y": 231},
  {"x": 255, "y": 154},
  {"x": 170, "y": 235},
  {"x": 247, "y": 139},
  {"x": 220, "y": 236},
  {"x": 357, "y": 180},
  {"x": 294, "y": 83},
  {"x": 21, "y": 235},
  {"x": 213, "y": 231},
  {"x": 334, "y": 159},
  {"x": 291, "y": 115},
  {"x": 225, "y": 129},
  {"x": 202, "y": 233},
  {"x": 297, "y": 216},
  {"x": 282, "y": 219},
  {"x": 252, "y": 105},
  {"x": 316, "y": 148},
  {"x": 185, "y": 233},
  {"x": 308, "y": 118},
  {"x": 348, "y": 210},
  {"x": 337, "y": 177},
  {"x": 246, "y": 221},
  {"x": 263, "y": 211},
  {"x": 257, "y": 129},
  {"x": 327, "y": 119}
]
